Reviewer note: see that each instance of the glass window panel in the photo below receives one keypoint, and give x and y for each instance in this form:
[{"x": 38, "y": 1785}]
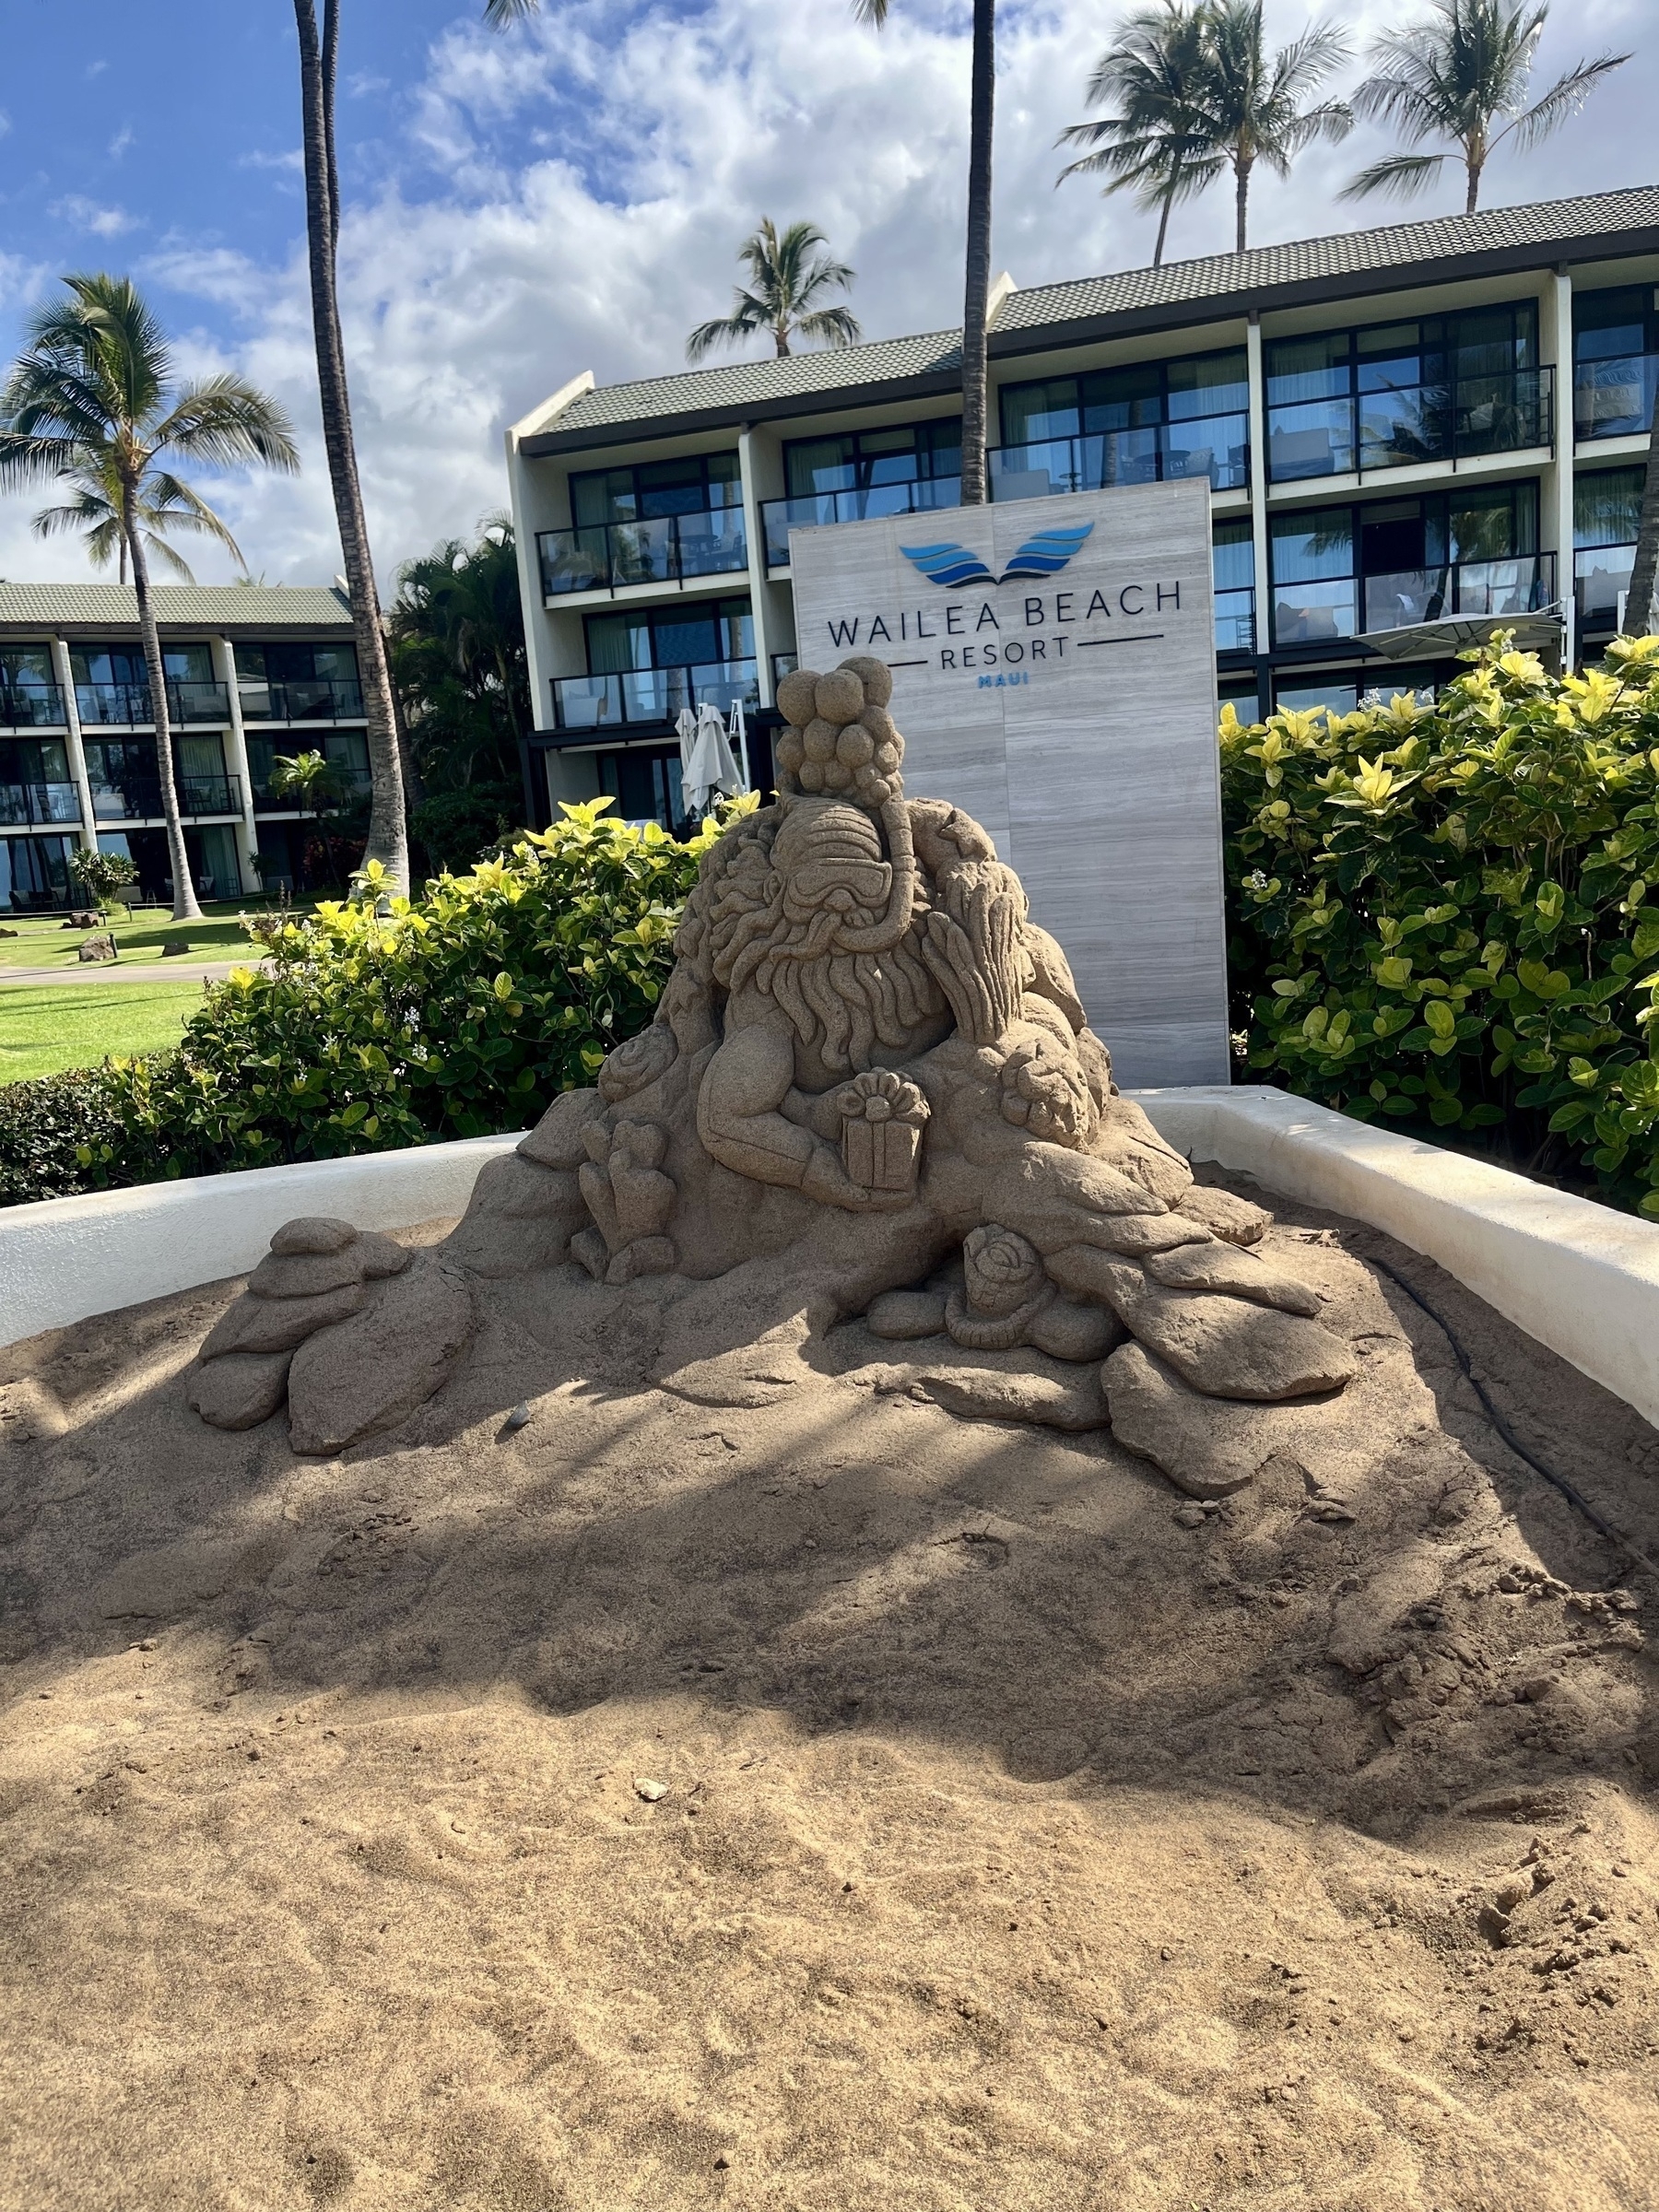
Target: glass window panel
[
  {"x": 1336, "y": 694},
  {"x": 737, "y": 631},
  {"x": 1033, "y": 412},
  {"x": 1494, "y": 524},
  {"x": 617, "y": 642},
  {"x": 1606, "y": 507},
  {"x": 187, "y": 664},
  {"x": 1306, "y": 546},
  {"x": 26, "y": 665},
  {"x": 682, "y": 637},
  {"x": 1314, "y": 368},
  {"x": 1233, "y": 556},
  {"x": 821, "y": 464},
  {"x": 338, "y": 663},
  {"x": 1315, "y": 439},
  {"x": 1391, "y": 538},
  {"x": 347, "y": 749},
  {"x": 1120, "y": 399},
  {"x": 725, "y": 480},
  {"x": 1391, "y": 357},
  {"x": 942, "y": 443},
  {"x": 250, "y": 660},
  {"x": 1209, "y": 383},
  {"x": 1610, "y": 323},
  {"x": 671, "y": 487},
  {"x": 601, "y": 496}
]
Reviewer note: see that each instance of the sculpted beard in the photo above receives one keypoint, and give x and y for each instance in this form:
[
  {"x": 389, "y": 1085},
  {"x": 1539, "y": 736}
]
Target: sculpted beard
[{"x": 842, "y": 1003}]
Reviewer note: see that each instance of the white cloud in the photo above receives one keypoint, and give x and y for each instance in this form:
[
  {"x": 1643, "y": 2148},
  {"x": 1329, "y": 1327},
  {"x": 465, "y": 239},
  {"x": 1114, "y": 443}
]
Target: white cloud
[
  {"x": 292, "y": 160},
  {"x": 6, "y": 122},
  {"x": 121, "y": 142},
  {"x": 476, "y": 280},
  {"x": 87, "y": 214}
]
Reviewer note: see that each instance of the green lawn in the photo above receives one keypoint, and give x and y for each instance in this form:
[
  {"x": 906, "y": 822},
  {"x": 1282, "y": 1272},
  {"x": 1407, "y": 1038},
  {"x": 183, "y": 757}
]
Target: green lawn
[
  {"x": 45, "y": 943},
  {"x": 46, "y": 1026}
]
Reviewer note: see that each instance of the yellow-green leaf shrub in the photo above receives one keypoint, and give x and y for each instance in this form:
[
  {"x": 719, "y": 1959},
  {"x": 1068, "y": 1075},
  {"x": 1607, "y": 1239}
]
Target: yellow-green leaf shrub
[{"x": 1440, "y": 912}]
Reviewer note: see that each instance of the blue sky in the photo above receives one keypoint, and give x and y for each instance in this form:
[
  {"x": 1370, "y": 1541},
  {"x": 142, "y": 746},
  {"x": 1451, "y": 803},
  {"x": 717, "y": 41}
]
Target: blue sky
[{"x": 570, "y": 196}]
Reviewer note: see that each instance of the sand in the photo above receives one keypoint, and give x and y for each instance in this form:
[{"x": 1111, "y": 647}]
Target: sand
[{"x": 820, "y": 1801}]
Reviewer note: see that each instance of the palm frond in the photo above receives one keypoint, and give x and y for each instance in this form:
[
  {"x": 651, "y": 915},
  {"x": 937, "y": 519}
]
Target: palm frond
[
  {"x": 870, "y": 11},
  {"x": 834, "y": 325},
  {"x": 1564, "y": 98},
  {"x": 1398, "y": 176},
  {"x": 222, "y": 419},
  {"x": 497, "y": 14}
]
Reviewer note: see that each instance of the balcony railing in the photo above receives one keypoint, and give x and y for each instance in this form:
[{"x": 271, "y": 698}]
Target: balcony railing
[
  {"x": 1615, "y": 398},
  {"x": 1235, "y": 620},
  {"x": 128, "y": 705},
  {"x": 646, "y": 695},
  {"x": 1601, "y": 576},
  {"x": 1314, "y": 613},
  {"x": 31, "y": 707},
  {"x": 39, "y": 803},
  {"x": 138, "y": 798},
  {"x": 350, "y": 785},
  {"x": 1413, "y": 424},
  {"x": 778, "y": 517},
  {"x": 664, "y": 548},
  {"x": 1216, "y": 446},
  {"x": 315, "y": 699}
]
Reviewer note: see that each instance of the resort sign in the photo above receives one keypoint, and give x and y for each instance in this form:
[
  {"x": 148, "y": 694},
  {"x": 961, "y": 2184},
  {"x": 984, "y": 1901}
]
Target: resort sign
[{"x": 1055, "y": 674}]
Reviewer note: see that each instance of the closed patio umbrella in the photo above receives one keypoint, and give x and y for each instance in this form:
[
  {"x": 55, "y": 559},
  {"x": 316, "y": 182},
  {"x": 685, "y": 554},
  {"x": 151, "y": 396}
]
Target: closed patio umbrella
[{"x": 711, "y": 772}]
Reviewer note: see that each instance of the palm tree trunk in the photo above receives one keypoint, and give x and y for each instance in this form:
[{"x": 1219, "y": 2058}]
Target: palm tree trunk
[
  {"x": 1474, "y": 167},
  {"x": 1163, "y": 226},
  {"x": 1241, "y": 202},
  {"x": 977, "y": 289},
  {"x": 1639, "y": 598},
  {"x": 184, "y": 907},
  {"x": 388, "y": 832}
]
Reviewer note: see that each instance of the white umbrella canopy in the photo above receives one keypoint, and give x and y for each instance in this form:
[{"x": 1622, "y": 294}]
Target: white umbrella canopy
[{"x": 708, "y": 770}]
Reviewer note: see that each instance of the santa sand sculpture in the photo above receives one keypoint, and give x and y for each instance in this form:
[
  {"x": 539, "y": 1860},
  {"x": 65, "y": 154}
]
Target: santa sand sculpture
[{"x": 870, "y": 1089}]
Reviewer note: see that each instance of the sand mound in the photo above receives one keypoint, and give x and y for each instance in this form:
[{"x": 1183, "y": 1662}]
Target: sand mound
[{"x": 771, "y": 1789}]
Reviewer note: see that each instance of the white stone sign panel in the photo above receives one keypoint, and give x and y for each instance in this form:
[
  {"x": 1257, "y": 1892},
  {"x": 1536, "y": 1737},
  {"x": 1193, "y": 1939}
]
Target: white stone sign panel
[{"x": 1055, "y": 675}]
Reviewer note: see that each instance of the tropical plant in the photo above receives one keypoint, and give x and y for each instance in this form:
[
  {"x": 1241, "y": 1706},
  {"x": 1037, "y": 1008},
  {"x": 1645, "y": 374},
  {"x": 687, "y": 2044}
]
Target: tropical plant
[
  {"x": 165, "y": 503},
  {"x": 1454, "y": 74},
  {"x": 1250, "y": 107},
  {"x": 310, "y": 779},
  {"x": 786, "y": 278},
  {"x": 1440, "y": 914},
  {"x": 94, "y": 396},
  {"x": 1155, "y": 143},
  {"x": 456, "y": 632},
  {"x": 99, "y": 875},
  {"x": 388, "y": 832},
  {"x": 375, "y": 1023}
]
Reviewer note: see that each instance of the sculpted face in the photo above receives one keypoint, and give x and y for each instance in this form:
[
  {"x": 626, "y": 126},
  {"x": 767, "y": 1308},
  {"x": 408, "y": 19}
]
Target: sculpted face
[{"x": 828, "y": 859}]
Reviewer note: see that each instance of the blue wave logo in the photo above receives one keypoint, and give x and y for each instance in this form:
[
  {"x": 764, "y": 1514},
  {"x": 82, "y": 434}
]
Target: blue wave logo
[{"x": 954, "y": 566}]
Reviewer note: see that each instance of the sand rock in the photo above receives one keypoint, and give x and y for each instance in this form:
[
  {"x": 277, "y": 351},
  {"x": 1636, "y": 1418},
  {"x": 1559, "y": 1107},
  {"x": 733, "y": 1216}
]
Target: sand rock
[
  {"x": 280, "y": 1325},
  {"x": 558, "y": 1139},
  {"x": 1226, "y": 1267},
  {"x": 240, "y": 1390},
  {"x": 1080, "y": 1332},
  {"x": 902, "y": 1314},
  {"x": 1207, "y": 1448},
  {"x": 1223, "y": 1346},
  {"x": 984, "y": 1394},
  {"x": 520, "y": 1218},
  {"x": 381, "y": 1255},
  {"x": 1226, "y": 1216},
  {"x": 369, "y": 1372},
  {"x": 313, "y": 1232},
  {"x": 307, "y": 1273}
]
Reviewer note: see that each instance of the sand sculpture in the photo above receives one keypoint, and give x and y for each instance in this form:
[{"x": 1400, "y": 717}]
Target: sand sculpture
[{"x": 870, "y": 1091}]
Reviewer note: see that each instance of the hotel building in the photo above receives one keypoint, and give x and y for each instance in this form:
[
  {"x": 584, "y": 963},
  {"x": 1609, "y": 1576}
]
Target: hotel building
[
  {"x": 252, "y": 673},
  {"x": 1400, "y": 427}
]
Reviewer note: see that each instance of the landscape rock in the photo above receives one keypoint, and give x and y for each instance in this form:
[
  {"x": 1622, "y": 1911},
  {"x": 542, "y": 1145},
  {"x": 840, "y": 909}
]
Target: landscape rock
[
  {"x": 307, "y": 1273},
  {"x": 280, "y": 1325},
  {"x": 96, "y": 948},
  {"x": 1226, "y": 1267},
  {"x": 366, "y": 1374},
  {"x": 240, "y": 1390},
  {"x": 1207, "y": 1448},
  {"x": 313, "y": 1232}
]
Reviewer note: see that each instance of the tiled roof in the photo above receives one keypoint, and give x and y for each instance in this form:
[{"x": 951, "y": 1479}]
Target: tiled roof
[
  {"x": 1231, "y": 281},
  {"x": 1343, "y": 253},
  {"x": 203, "y": 605}
]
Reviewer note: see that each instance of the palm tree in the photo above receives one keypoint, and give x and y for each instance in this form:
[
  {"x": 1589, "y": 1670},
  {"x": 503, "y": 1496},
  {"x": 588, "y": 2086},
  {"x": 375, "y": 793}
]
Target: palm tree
[
  {"x": 166, "y": 503},
  {"x": 1454, "y": 74},
  {"x": 94, "y": 399},
  {"x": 1154, "y": 144},
  {"x": 314, "y": 784},
  {"x": 388, "y": 832},
  {"x": 1249, "y": 108},
  {"x": 785, "y": 281}
]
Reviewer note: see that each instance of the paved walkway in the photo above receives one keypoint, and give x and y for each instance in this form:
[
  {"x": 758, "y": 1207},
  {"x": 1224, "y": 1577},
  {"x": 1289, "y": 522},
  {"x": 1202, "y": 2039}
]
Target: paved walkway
[{"x": 182, "y": 968}]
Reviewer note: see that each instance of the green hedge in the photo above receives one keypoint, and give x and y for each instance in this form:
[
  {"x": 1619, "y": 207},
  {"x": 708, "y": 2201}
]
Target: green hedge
[
  {"x": 464, "y": 1013},
  {"x": 1442, "y": 912}
]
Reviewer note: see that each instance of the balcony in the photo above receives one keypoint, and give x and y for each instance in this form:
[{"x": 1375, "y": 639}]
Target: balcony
[
  {"x": 1235, "y": 620},
  {"x": 350, "y": 785},
  {"x": 31, "y": 707},
  {"x": 138, "y": 798},
  {"x": 318, "y": 698},
  {"x": 1216, "y": 446},
  {"x": 1601, "y": 577},
  {"x": 664, "y": 548},
  {"x": 1411, "y": 425},
  {"x": 127, "y": 706},
  {"x": 652, "y": 695},
  {"x": 778, "y": 517},
  {"x": 1613, "y": 398},
  {"x": 37, "y": 804},
  {"x": 1318, "y": 612}
]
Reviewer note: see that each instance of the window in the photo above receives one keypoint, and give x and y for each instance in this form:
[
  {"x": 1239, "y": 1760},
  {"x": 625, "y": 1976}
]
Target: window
[
  {"x": 124, "y": 664},
  {"x": 645, "y": 783},
  {"x": 1133, "y": 425},
  {"x": 1233, "y": 563},
  {"x": 1397, "y": 392},
  {"x": 674, "y": 636},
  {"x": 695, "y": 485},
  {"x": 298, "y": 681},
  {"x": 25, "y": 666},
  {"x": 1606, "y": 507},
  {"x": 863, "y": 461},
  {"x": 34, "y": 873},
  {"x": 1341, "y": 571},
  {"x": 1615, "y": 349},
  {"x": 290, "y": 663}
]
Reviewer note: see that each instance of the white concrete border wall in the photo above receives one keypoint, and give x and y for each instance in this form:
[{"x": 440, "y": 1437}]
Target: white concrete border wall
[
  {"x": 1580, "y": 1278},
  {"x": 66, "y": 1258}
]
